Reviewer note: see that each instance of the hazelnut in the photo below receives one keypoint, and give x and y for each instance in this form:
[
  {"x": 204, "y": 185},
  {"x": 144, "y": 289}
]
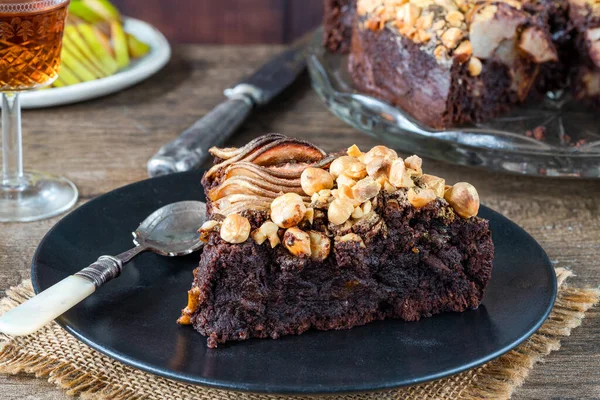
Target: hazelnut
[
  {"x": 424, "y": 21},
  {"x": 206, "y": 228},
  {"x": 357, "y": 170},
  {"x": 354, "y": 151},
  {"x": 407, "y": 15},
  {"x": 463, "y": 52},
  {"x": 344, "y": 180},
  {"x": 452, "y": 37},
  {"x": 297, "y": 242},
  {"x": 351, "y": 237},
  {"x": 434, "y": 183},
  {"x": 438, "y": 25},
  {"x": 414, "y": 162},
  {"x": 235, "y": 229},
  {"x": 268, "y": 230},
  {"x": 341, "y": 165},
  {"x": 367, "y": 207},
  {"x": 455, "y": 18},
  {"x": 475, "y": 66},
  {"x": 397, "y": 170},
  {"x": 421, "y": 198},
  {"x": 339, "y": 211},
  {"x": 320, "y": 245},
  {"x": 423, "y": 36},
  {"x": 309, "y": 215},
  {"x": 388, "y": 187},
  {"x": 358, "y": 212},
  {"x": 313, "y": 180},
  {"x": 380, "y": 152},
  {"x": 365, "y": 189},
  {"x": 378, "y": 166},
  {"x": 347, "y": 193},
  {"x": 463, "y": 197},
  {"x": 440, "y": 52},
  {"x": 287, "y": 210}
]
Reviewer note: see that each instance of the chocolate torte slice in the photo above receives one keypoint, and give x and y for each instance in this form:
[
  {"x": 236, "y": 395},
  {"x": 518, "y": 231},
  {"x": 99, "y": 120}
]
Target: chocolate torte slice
[
  {"x": 337, "y": 21},
  {"x": 298, "y": 239}
]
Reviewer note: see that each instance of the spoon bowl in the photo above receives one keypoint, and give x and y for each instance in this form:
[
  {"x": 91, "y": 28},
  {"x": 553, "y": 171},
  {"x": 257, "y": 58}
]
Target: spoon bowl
[{"x": 172, "y": 230}]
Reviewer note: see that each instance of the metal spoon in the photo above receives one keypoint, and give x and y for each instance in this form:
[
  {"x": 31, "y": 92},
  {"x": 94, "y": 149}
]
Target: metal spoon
[{"x": 169, "y": 231}]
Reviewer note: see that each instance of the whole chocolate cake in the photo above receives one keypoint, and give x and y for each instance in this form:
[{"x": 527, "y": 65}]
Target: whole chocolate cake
[
  {"x": 298, "y": 239},
  {"x": 448, "y": 62}
]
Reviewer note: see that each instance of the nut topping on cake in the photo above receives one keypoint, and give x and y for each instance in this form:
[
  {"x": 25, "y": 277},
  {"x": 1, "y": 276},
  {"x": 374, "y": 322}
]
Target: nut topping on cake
[
  {"x": 315, "y": 179},
  {"x": 464, "y": 199},
  {"x": 235, "y": 229},
  {"x": 287, "y": 210},
  {"x": 297, "y": 242},
  {"x": 320, "y": 245}
]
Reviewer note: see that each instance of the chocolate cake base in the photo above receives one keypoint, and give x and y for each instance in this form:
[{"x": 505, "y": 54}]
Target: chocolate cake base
[
  {"x": 337, "y": 25},
  {"x": 413, "y": 263}
]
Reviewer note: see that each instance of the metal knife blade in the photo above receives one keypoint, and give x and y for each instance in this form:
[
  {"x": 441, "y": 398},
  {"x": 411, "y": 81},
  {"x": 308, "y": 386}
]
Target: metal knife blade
[{"x": 190, "y": 149}]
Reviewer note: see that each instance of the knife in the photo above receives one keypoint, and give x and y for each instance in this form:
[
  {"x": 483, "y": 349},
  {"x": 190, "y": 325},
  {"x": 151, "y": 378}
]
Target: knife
[{"x": 190, "y": 149}]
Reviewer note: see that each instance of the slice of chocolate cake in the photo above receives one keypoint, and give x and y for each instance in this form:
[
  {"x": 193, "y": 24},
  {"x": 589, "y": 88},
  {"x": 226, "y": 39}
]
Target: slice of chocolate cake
[
  {"x": 337, "y": 24},
  {"x": 298, "y": 239}
]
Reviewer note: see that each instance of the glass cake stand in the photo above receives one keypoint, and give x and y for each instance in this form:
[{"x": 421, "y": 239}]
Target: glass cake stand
[{"x": 554, "y": 137}]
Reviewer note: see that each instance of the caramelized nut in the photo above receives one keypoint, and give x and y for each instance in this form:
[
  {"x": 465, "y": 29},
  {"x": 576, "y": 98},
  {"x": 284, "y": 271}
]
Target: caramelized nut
[
  {"x": 313, "y": 180},
  {"x": 397, "y": 170},
  {"x": 297, "y": 242},
  {"x": 378, "y": 166},
  {"x": 351, "y": 237},
  {"x": 347, "y": 193},
  {"x": 357, "y": 170},
  {"x": 380, "y": 152},
  {"x": 339, "y": 211},
  {"x": 440, "y": 52},
  {"x": 287, "y": 210},
  {"x": 365, "y": 189},
  {"x": 268, "y": 230},
  {"x": 309, "y": 215},
  {"x": 341, "y": 165},
  {"x": 463, "y": 197},
  {"x": 463, "y": 52},
  {"x": 434, "y": 183},
  {"x": 235, "y": 229},
  {"x": 367, "y": 207},
  {"x": 475, "y": 66},
  {"x": 206, "y": 228},
  {"x": 354, "y": 151},
  {"x": 455, "y": 18},
  {"x": 407, "y": 15},
  {"x": 421, "y": 198},
  {"x": 414, "y": 162},
  {"x": 358, "y": 212},
  {"x": 438, "y": 25},
  {"x": 424, "y": 21},
  {"x": 320, "y": 245},
  {"x": 344, "y": 180},
  {"x": 452, "y": 37}
]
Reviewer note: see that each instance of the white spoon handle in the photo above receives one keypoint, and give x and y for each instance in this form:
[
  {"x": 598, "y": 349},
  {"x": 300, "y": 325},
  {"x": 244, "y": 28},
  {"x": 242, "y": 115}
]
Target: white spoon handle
[
  {"x": 52, "y": 302},
  {"x": 47, "y": 305}
]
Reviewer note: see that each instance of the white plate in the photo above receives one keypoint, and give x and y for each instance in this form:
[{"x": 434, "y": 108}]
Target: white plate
[{"x": 139, "y": 70}]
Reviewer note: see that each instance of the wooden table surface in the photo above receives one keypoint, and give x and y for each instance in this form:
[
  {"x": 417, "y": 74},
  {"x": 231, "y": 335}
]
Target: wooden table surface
[{"x": 104, "y": 144}]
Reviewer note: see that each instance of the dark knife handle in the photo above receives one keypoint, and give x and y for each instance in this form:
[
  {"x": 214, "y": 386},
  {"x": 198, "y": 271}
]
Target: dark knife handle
[{"x": 190, "y": 149}]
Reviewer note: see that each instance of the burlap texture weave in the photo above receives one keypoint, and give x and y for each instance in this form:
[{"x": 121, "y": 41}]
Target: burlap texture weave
[{"x": 54, "y": 354}]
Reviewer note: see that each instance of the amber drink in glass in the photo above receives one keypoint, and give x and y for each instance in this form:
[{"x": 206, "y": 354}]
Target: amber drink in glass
[{"x": 30, "y": 45}]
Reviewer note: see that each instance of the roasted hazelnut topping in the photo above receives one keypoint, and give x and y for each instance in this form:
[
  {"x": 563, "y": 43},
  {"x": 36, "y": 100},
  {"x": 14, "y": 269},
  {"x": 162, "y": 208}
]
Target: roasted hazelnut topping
[
  {"x": 345, "y": 180},
  {"x": 414, "y": 162},
  {"x": 341, "y": 165},
  {"x": 320, "y": 245},
  {"x": 192, "y": 306},
  {"x": 321, "y": 199},
  {"x": 357, "y": 213},
  {"x": 463, "y": 197},
  {"x": 235, "y": 229},
  {"x": 379, "y": 166},
  {"x": 339, "y": 211},
  {"x": 287, "y": 210},
  {"x": 365, "y": 189},
  {"x": 354, "y": 151},
  {"x": 268, "y": 230},
  {"x": 206, "y": 228},
  {"x": 297, "y": 242},
  {"x": 347, "y": 193},
  {"x": 380, "y": 152},
  {"x": 351, "y": 237},
  {"x": 434, "y": 183},
  {"x": 463, "y": 52},
  {"x": 397, "y": 173},
  {"x": 309, "y": 215},
  {"x": 475, "y": 67},
  {"x": 421, "y": 198},
  {"x": 314, "y": 180},
  {"x": 357, "y": 170}
]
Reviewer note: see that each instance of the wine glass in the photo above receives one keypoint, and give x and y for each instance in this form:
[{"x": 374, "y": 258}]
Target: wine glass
[{"x": 30, "y": 45}]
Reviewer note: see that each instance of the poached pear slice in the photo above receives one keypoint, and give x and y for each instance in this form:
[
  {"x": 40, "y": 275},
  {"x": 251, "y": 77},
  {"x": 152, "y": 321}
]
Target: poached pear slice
[
  {"x": 103, "y": 8},
  {"x": 83, "y": 59},
  {"x": 119, "y": 44},
  {"x": 75, "y": 66},
  {"x": 100, "y": 46},
  {"x": 72, "y": 33},
  {"x": 137, "y": 48},
  {"x": 68, "y": 77},
  {"x": 81, "y": 10}
]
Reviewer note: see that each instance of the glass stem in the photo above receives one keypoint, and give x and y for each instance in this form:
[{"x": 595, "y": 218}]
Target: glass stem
[{"x": 12, "y": 146}]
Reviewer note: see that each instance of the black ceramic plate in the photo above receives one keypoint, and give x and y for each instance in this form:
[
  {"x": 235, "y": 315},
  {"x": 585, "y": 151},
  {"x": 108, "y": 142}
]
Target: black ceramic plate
[{"x": 132, "y": 318}]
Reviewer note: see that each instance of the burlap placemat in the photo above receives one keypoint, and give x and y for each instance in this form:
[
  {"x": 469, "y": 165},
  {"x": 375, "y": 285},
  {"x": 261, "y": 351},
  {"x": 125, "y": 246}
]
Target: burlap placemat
[{"x": 54, "y": 354}]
